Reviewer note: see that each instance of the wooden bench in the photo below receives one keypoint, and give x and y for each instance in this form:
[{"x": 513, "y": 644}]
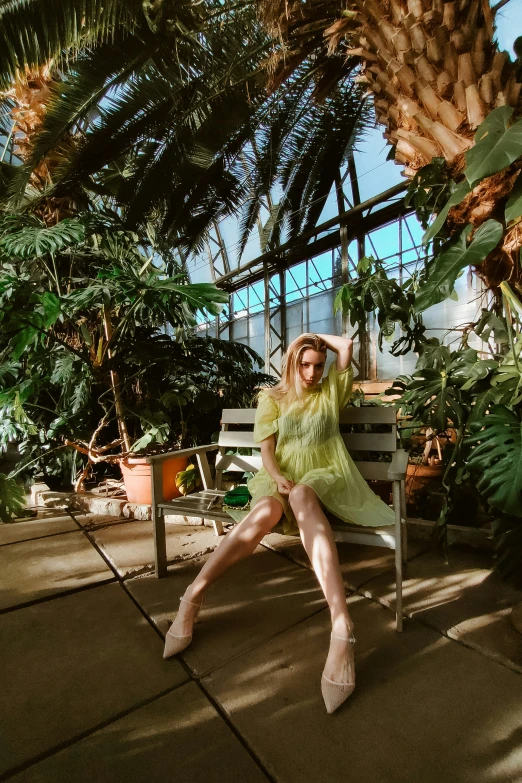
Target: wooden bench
[{"x": 197, "y": 504}]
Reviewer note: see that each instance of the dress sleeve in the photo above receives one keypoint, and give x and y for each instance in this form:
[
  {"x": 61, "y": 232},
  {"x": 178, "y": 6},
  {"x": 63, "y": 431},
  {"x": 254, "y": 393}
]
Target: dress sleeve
[
  {"x": 267, "y": 414},
  {"x": 340, "y": 385}
]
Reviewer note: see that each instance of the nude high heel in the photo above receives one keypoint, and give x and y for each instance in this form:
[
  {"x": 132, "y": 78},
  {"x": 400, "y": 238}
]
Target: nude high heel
[
  {"x": 175, "y": 644},
  {"x": 334, "y": 693}
]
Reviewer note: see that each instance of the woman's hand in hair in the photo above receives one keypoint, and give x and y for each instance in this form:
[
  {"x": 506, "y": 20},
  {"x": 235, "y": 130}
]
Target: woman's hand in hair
[
  {"x": 342, "y": 346},
  {"x": 284, "y": 485}
]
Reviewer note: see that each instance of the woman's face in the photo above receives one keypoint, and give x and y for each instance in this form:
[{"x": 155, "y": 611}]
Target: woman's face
[{"x": 311, "y": 367}]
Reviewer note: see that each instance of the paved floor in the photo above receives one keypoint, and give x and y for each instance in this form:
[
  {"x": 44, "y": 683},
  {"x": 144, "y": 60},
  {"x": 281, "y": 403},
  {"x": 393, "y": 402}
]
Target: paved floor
[{"x": 87, "y": 696}]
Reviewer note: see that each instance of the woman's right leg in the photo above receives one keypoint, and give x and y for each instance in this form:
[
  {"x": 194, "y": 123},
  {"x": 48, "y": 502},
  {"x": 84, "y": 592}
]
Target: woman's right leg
[{"x": 236, "y": 545}]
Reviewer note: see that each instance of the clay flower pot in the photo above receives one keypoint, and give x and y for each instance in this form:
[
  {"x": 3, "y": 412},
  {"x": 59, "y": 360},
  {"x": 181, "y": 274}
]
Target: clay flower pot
[
  {"x": 419, "y": 475},
  {"x": 136, "y": 477}
]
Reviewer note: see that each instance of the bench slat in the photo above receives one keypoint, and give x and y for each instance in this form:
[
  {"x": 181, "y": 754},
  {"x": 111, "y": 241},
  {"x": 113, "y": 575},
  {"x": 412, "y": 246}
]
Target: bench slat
[
  {"x": 237, "y": 440},
  {"x": 370, "y": 441},
  {"x": 368, "y": 415},
  {"x": 238, "y": 416},
  {"x": 239, "y": 462},
  {"x": 362, "y": 415}
]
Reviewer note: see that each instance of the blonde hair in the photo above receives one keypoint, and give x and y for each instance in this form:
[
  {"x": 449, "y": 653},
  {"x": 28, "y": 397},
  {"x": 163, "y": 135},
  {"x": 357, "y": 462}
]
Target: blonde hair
[{"x": 290, "y": 386}]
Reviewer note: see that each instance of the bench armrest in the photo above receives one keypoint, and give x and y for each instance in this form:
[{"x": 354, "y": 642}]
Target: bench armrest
[
  {"x": 399, "y": 463},
  {"x": 181, "y": 453}
]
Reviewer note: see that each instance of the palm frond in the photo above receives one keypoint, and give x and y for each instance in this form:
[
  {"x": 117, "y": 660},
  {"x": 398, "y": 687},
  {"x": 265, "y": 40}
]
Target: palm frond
[{"x": 37, "y": 31}]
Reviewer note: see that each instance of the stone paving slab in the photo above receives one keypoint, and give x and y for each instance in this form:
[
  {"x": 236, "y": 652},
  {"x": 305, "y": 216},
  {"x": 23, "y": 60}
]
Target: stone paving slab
[
  {"x": 45, "y": 566},
  {"x": 179, "y": 737},
  {"x": 359, "y": 562},
  {"x": 254, "y": 600},
  {"x": 36, "y": 527},
  {"x": 130, "y": 547},
  {"x": 425, "y": 709},
  {"x": 89, "y": 521},
  {"x": 465, "y": 599},
  {"x": 70, "y": 664}
]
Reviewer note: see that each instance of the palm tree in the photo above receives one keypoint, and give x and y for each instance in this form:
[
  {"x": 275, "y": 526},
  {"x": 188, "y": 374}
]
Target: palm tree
[
  {"x": 436, "y": 74},
  {"x": 171, "y": 119}
]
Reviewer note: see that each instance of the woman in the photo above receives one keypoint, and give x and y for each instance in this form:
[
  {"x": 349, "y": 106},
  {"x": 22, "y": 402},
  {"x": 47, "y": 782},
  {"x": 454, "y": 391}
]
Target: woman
[{"x": 305, "y": 468}]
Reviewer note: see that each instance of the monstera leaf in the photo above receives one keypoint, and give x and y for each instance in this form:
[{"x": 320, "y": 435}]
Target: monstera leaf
[
  {"x": 12, "y": 498},
  {"x": 497, "y": 145},
  {"x": 188, "y": 480},
  {"x": 456, "y": 257},
  {"x": 467, "y": 367},
  {"x": 434, "y": 398},
  {"x": 496, "y": 460},
  {"x": 460, "y": 192}
]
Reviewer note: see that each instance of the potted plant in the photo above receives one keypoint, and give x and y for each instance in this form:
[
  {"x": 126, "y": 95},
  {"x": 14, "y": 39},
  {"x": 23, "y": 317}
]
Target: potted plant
[{"x": 90, "y": 378}]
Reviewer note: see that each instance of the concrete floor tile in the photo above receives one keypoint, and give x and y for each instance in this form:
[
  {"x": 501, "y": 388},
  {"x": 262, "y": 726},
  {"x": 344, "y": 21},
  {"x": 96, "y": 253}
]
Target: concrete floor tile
[
  {"x": 425, "y": 709},
  {"x": 130, "y": 547},
  {"x": 179, "y": 737},
  {"x": 70, "y": 664},
  {"x": 465, "y": 599},
  {"x": 36, "y": 527},
  {"x": 257, "y": 598},
  {"x": 46, "y": 566},
  {"x": 359, "y": 562},
  {"x": 88, "y": 521}
]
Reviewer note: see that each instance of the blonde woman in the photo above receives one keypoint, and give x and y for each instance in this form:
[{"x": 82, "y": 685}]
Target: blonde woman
[{"x": 306, "y": 469}]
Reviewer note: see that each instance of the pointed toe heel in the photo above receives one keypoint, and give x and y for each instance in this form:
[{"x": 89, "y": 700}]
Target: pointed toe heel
[
  {"x": 175, "y": 644},
  {"x": 335, "y": 693}
]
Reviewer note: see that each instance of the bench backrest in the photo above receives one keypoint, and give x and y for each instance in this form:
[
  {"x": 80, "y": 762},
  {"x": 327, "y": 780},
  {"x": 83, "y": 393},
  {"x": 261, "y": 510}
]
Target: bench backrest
[{"x": 366, "y": 441}]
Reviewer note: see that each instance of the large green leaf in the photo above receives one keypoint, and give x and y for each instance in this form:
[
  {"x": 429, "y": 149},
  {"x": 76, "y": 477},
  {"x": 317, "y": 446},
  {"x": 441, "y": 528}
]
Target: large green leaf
[
  {"x": 457, "y": 256},
  {"x": 514, "y": 204},
  {"x": 35, "y": 239},
  {"x": 12, "y": 498},
  {"x": 467, "y": 367},
  {"x": 460, "y": 192},
  {"x": 496, "y": 460},
  {"x": 496, "y": 145},
  {"x": 434, "y": 398}
]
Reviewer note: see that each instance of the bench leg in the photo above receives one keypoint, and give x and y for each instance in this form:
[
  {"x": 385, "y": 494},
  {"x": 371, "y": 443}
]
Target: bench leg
[
  {"x": 160, "y": 543},
  {"x": 398, "y": 555},
  {"x": 217, "y": 524},
  {"x": 404, "y": 525}
]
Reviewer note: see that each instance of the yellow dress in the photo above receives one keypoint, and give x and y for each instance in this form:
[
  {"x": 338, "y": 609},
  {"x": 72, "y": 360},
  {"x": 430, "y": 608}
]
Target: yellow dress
[{"x": 310, "y": 451}]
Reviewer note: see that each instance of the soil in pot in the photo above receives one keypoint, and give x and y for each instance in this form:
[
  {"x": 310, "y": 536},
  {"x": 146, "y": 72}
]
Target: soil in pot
[{"x": 136, "y": 477}]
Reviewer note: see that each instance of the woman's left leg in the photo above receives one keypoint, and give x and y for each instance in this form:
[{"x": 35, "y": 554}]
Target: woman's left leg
[{"x": 319, "y": 543}]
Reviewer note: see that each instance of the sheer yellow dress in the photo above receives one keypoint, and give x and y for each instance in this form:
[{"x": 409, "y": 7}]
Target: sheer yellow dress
[{"x": 310, "y": 451}]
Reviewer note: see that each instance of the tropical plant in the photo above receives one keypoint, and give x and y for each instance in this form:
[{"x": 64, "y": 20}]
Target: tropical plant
[
  {"x": 188, "y": 480},
  {"x": 446, "y": 95},
  {"x": 372, "y": 291},
  {"x": 12, "y": 498},
  {"x": 481, "y": 399},
  {"x": 87, "y": 367},
  {"x": 170, "y": 118}
]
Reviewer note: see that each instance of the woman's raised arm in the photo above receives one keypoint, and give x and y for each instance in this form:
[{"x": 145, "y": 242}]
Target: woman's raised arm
[{"x": 342, "y": 346}]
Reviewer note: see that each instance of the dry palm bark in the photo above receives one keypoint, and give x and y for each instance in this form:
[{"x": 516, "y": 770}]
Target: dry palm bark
[
  {"x": 30, "y": 95},
  {"x": 435, "y": 72}
]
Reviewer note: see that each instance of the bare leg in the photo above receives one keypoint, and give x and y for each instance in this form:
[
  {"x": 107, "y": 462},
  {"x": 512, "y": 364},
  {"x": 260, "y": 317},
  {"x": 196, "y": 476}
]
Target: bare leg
[
  {"x": 234, "y": 546},
  {"x": 318, "y": 541}
]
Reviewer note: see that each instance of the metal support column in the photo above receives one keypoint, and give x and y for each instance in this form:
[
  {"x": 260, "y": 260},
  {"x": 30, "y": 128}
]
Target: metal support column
[
  {"x": 275, "y": 338},
  {"x": 267, "y": 319},
  {"x": 364, "y": 333}
]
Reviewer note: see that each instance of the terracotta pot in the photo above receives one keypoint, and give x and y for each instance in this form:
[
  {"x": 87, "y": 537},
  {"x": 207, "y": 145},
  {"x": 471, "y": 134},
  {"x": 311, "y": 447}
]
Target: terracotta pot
[
  {"x": 136, "y": 477},
  {"x": 417, "y": 476}
]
